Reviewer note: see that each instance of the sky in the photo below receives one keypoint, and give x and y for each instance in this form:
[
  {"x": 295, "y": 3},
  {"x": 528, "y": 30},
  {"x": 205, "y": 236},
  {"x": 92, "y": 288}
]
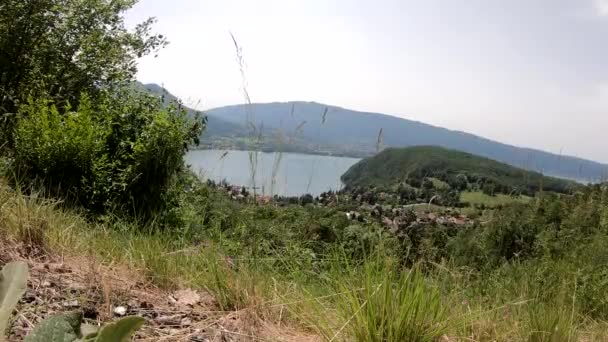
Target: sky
[{"x": 530, "y": 73}]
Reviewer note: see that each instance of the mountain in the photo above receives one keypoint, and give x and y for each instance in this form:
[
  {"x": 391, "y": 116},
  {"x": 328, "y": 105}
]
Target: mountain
[
  {"x": 312, "y": 127},
  {"x": 356, "y": 133},
  {"x": 397, "y": 165}
]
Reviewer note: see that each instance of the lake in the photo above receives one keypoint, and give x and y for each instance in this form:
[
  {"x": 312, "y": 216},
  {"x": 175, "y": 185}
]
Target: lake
[{"x": 295, "y": 174}]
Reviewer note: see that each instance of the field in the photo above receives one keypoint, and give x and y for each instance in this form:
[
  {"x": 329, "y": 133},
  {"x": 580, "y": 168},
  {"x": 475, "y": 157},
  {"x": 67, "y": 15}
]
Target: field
[{"x": 478, "y": 197}]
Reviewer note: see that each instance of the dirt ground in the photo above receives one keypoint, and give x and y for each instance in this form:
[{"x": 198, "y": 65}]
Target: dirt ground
[{"x": 59, "y": 284}]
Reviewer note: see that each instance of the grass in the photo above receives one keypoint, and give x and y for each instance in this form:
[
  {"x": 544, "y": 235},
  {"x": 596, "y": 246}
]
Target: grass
[
  {"x": 478, "y": 197},
  {"x": 392, "y": 306},
  {"x": 548, "y": 324}
]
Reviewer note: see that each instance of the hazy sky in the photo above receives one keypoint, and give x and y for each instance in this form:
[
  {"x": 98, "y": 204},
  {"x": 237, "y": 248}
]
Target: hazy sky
[{"x": 531, "y": 73}]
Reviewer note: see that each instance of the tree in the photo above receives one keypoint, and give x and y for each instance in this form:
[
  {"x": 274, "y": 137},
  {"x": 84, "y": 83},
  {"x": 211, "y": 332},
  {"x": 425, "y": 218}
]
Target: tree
[
  {"x": 488, "y": 189},
  {"x": 427, "y": 184},
  {"x": 460, "y": 182},
  {"x": 58, "y": 49},
  {"x": 406, "y": 193},
  {"x": 74, "y": 122}
]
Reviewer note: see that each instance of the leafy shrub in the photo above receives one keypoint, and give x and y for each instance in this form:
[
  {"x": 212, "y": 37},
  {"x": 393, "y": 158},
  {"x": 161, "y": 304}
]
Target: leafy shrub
[
  {"x": 59, "y": 149},
  {"x": 120, "y": 153},
  {"x": 69, "y": 328},
  {"x": 513, "y": 234},
  {"x": 360, "y": 241}
]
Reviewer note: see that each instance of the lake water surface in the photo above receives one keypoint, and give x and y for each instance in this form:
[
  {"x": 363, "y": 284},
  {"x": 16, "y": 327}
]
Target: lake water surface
[{"x": 295, "y": 174}]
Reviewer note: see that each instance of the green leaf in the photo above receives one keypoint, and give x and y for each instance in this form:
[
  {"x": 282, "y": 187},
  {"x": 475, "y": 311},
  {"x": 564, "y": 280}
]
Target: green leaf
[
  {"x": 60, "y": 328},
  {"x": 120, "y": 331},
  {"x": 13, "y": 282},
  {"x": 89, "y": 331}
]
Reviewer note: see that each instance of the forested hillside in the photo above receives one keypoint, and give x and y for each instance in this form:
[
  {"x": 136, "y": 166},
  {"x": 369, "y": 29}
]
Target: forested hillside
[{"x": 458, "y": 169}]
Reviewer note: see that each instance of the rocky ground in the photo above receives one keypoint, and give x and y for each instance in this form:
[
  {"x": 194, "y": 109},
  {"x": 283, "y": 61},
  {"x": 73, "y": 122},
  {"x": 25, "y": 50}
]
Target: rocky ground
[{"x": 59, "y": 284}]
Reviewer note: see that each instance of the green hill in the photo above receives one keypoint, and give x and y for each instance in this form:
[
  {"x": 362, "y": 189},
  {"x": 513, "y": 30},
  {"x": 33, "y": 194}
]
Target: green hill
[{"x": 460, "y": 170}]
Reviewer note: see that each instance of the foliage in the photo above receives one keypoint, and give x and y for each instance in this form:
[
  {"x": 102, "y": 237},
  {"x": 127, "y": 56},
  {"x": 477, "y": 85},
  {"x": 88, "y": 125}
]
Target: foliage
[
  {"x": 13, "y": 283},
  {"x": 74, "y": 122},
  {"x": 417, "y": 165},
  {"x": 65, "y": 48},
  {"x": 114, "y": 154},
  {"x": 362, "y": 240},
  {"x": 512, "y": 235},
  {"x": 59, "y": 328},
  {"x": 68, "y": 328},
  {"x": 119, "y": 331},
  {"x": 60, "y": 149}
]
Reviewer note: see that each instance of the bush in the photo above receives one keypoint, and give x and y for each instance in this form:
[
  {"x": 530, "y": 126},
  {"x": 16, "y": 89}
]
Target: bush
[
  {"x": 61, "y": 149},
  {"x": 513, "y": 234},
  {"x": 361, "y": 240},
  {"x": 121, "y": 153}
]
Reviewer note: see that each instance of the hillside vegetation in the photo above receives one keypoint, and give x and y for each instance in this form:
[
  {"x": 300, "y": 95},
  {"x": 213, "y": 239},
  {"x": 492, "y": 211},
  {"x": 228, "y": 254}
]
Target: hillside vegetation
[{"x": 460, "y": 170}]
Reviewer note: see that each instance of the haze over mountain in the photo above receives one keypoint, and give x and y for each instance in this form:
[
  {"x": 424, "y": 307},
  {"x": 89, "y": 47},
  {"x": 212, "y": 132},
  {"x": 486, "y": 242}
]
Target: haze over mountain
[{"x": 342, "y": 131}]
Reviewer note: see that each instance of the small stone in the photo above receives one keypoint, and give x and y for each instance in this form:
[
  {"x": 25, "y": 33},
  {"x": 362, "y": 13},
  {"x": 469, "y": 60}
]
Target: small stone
[
  {"x": 186, "y": 322},
  {"x": 46, "y": 283},
  {"x": 71, "y": 304},
  {"x": 120, "y": 311},
  {"x": 187, "y": 297}
]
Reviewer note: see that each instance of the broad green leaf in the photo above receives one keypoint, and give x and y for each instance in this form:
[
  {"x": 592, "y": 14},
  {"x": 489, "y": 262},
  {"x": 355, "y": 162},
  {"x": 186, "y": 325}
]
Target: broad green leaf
[
  {"x": 13, "y": 282},
  {"x": 120, "y": 331},
  {"x": 60, "y": 328}
]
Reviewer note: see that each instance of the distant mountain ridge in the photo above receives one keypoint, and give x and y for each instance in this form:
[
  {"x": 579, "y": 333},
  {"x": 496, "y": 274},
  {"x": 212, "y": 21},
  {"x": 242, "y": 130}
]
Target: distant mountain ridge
[{"x": 328, "y": 129}]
